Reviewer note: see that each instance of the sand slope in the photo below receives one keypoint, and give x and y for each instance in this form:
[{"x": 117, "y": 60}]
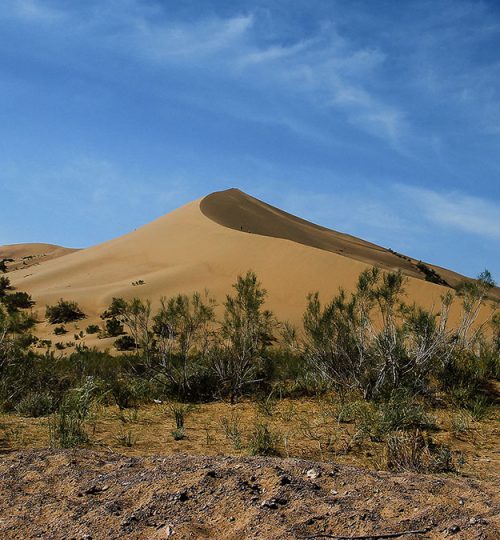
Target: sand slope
[
  {"x": 26, "y": 255},
  {"x": 202, "y": 246}
]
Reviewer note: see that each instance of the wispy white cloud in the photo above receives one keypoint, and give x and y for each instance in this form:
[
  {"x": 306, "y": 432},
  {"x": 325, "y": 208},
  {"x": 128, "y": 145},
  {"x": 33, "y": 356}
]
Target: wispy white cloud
[
  {"x": 36, "y": 11},
  {"x": 167, "y": 41},
  {"x": 456, "y": 210},
  {"x": 325, "y": 71}
]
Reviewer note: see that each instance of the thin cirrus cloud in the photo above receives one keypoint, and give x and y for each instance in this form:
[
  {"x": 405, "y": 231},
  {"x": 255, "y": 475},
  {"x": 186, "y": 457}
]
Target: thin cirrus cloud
[
  {"x": 456, "y": 210},
  {"x": 325, "y": 71},
  {"x": 34, "y": 11}
]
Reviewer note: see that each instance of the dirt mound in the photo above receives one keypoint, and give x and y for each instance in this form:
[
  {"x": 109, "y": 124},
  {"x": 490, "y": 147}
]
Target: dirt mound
[{"x": 83, "y": 494}]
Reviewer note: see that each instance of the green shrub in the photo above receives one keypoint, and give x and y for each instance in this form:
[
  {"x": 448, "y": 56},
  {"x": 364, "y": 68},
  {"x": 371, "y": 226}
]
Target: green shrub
[
  {"x": 460, "y": 423},
  {"x": 179, "y": 411},
  {"x": 400, "y": 413},
  {"x": 266, "y": 405},
  {"x": 16, "y": 301},
  {"x": 35, "y": 404},
  {"x": 126, "y": 439},
  {"x": 127, "y": 391},
  {"x": 479, "y": 407},
  {"x": 412, "y": 451},
  {"x": 60, "y": 330},
  {"x": 114, "y": 327},
  {"x": 125, "y": 343},
  {"x": 431, "y": 274},
  {"x": 231, "y": 426},
  {"x": 4, "y": 285},
  {"x": 263, "y": 442},
  {"x": 115, "y": 309},
  {"x": 67, "y": 425},
  {"x": 178, "y": 434},
  {"x": 92, "y": 329},
  {"x": 63, "y": 312}
]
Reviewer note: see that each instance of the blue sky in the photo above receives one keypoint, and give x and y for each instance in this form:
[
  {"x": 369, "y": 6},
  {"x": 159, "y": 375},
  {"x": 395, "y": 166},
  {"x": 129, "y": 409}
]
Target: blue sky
[{"x": 376, "y": 118}]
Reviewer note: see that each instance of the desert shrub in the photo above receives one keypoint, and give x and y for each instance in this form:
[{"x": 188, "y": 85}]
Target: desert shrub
[
  {"x": 479, "y": 407},
  {"x": 231, "y": 427},
  {"x": 92, "y": 329},
  {"x": 178, "y": 434},
  {"x": 60, "y": 330},
  {"x": 127, "y": 391},
  {"x": 266, "y": 404},
  {"x": 60, "y": 346},
  {"x": 63, "y": 312},
  {"x": 430, "y": 274},
  {"x": 67, "y": 425},
  {"x": 247, "y": 334},
  {"x": 20, "y": 322},
  {"x": 403, "y": 412},
  {"x": 262, "y": 441},
  {"x": 346, "y": 412},
  {"x": 126, "y": 438},
  {"x": 35, "y": 404},
  {"x": 113, "y": 327},
  {"x": 379, "y": 420},
  {"x": 115, "y": 309},
  {"x": 67, "y": 430},
  {"x": 182, "y": 334},
  {"x": 343, "y": 344},
  {"x": 16, "y": 301},
  {"x": 412, "y": 451},
  {"x": 179, "y": 411},
  {"x": 460, "y": 423},
  {"x": 4, "y": 285},
  {"x": 125, "y": 343}
]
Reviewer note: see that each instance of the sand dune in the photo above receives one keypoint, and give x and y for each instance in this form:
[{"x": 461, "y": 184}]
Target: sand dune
[
  {"x": 206, "y": 244},
  {"x": 26, "y": 255}
]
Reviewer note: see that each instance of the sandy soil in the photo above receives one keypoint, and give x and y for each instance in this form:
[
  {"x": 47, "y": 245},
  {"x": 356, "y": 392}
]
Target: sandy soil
[{"x": 304, "y": 429}]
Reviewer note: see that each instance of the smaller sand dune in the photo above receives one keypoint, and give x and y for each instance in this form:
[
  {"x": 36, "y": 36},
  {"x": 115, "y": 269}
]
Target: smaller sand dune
[{"x": 26, "y": 255}]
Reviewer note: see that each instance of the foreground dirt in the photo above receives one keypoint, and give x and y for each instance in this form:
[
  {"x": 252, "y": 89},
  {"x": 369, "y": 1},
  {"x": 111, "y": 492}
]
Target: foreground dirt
[{"x": 81, "y": 494}]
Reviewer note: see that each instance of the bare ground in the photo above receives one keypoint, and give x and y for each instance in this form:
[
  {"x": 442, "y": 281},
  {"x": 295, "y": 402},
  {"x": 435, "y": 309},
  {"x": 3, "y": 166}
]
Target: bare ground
[{"x": 82, "y": 494}]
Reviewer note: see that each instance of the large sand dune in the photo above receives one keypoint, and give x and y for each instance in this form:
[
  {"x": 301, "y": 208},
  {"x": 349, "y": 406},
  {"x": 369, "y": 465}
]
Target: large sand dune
[{"x": 206, "y": 244}]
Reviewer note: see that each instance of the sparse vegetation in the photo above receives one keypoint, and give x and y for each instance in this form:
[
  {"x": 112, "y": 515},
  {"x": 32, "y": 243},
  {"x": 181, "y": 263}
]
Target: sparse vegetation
[
  {"x": 60, "y": 330},
  {"x": 64, "y": 312},
  {"x": 67, "y": 426},
  {"x": 125, "y": 343},
  {"x": 263, "y": 441},
  {"x": 413, "y": 451},
  {"x": 17, "y": 301},
  {"x": 92, "y": 329},
  {"x": 373, "y": 366},
  {"x": 114, "y": 327},
  {"x": 431, "y": 274}
]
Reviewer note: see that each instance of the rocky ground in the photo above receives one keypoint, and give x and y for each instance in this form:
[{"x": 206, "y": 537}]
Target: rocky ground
[{"x": 82, "y": 494}]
